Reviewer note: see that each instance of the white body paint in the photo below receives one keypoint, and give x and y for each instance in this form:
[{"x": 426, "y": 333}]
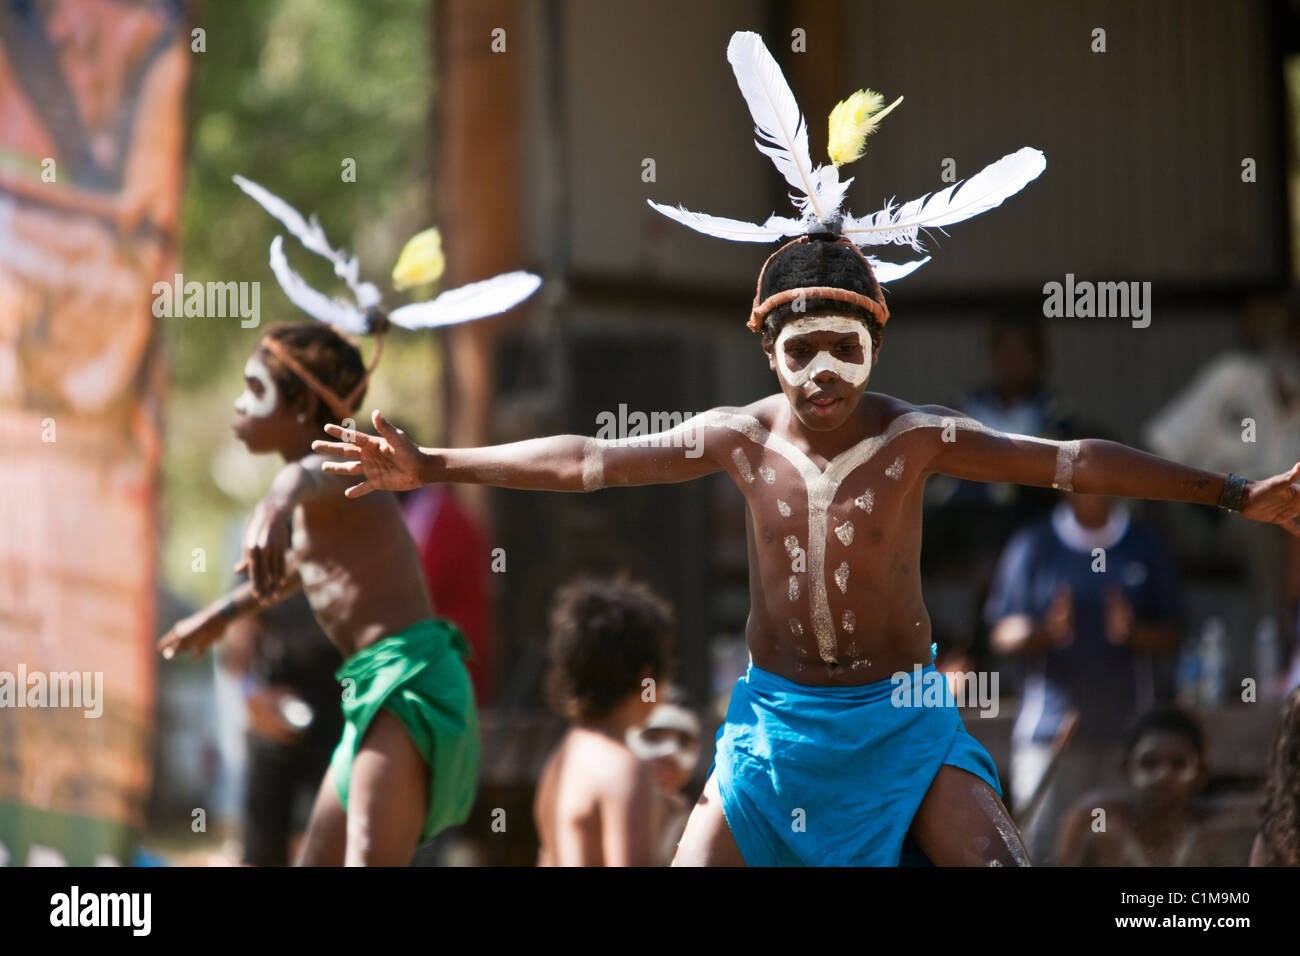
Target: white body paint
[
  {"x": 855, "y": 373},
  {"x": 250, "y": 404},
  {"x": 742, "y": 465},
  {"x": 821, "y": 485}
]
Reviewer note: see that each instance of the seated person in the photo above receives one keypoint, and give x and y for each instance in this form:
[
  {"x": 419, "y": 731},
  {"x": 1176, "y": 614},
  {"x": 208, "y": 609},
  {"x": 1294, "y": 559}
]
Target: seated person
[
  {"x": 670, "y": 743},
  {"x": 1160, "y": 820}
]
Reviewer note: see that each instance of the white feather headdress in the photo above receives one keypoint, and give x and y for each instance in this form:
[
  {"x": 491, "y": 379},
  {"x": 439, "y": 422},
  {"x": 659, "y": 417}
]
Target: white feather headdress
[
  {"x": 364, "y": 314},
  {"x": 818, "y": 192}
]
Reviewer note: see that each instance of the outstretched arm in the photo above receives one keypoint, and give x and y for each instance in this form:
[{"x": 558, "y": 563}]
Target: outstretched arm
[
  {"x": 392, "y": 461},
  {"x": 1097, "y": 467},
  {"x": 204, "y": 628}
]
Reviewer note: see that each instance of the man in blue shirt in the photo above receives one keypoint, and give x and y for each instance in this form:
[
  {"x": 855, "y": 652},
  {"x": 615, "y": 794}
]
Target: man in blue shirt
[{"x": 1089, "y": 599}]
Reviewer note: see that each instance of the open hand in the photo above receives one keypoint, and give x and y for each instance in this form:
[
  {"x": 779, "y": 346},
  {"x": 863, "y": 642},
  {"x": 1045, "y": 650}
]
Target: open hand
[
  {"x": 390, "y": 462},
  {"x": 1058, "y": 621},
  {"x": 1120, "y": 619},
  {"x": 1275, "y": 500}
]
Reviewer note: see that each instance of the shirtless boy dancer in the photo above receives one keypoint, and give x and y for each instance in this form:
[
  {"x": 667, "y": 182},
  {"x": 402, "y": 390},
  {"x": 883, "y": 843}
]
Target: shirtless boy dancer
[
  {"x": 816, "y": 764},
  {"x": 407, "y": 764}
]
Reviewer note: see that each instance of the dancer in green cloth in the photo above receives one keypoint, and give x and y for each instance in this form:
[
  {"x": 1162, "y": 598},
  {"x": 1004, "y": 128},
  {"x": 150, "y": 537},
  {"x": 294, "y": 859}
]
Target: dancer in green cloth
[{"x": 407, "y": 764}]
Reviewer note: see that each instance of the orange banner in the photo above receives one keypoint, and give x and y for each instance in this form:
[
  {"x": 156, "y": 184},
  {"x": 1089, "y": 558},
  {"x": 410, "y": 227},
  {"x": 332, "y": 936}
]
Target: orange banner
[{"x": 92, "y": 133}]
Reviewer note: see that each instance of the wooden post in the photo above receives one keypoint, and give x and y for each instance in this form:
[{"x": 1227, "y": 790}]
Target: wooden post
[{"x": 477, "y": 194}]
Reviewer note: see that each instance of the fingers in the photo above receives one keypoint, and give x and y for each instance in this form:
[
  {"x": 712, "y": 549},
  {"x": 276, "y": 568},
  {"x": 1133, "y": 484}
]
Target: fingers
[
  {"x": 356, "y": 491},
  {"x": 350, "y": 435},
  {"x": 384, "y": 428},
  {"x": 342, "y": 468},
  {"x": 241, "y": 565},
  {"x": 342, "y": 449},
  {"x": 168, "y": 645}
]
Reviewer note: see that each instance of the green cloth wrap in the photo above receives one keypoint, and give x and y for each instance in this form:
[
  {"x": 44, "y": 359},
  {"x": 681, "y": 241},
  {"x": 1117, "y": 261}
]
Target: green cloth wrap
[{"x": 417, "y": 675}]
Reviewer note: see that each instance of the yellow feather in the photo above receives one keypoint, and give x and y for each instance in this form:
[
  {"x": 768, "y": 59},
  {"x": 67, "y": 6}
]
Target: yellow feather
[
  {"x": 852, "y": 121},
  {"x": 421, "y": 261}
]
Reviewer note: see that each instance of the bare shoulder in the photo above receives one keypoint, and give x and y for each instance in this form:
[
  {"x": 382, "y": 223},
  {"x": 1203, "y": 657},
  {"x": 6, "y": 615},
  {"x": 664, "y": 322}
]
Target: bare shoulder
[
  {"x": 608, "y": 766},
  {"x": 763, "y": 411},
  {"x": 891, "y": 412}
]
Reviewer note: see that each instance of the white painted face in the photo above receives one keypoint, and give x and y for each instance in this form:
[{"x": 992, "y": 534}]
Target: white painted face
[
  {"x": 255, "y": 406},
  {"x": 855, "y": 373}
]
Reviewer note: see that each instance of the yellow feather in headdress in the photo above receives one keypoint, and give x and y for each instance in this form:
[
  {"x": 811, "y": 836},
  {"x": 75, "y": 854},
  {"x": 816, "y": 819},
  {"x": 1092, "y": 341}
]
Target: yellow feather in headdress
[
  {"x": 421, "y": 261},
  {"x": 852, "y": 121}
]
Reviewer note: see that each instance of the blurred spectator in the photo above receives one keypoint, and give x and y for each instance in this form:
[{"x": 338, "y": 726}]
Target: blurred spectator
[
  {"x": 670, "y": 742},
  {"x": 455, "y": 557},
  {"x": 1278, "y": 841},
  {"x": 285, "y": 666},
  {"x": 973, "y": 520},
  {"x": 1157, "y": 819},
  {"x": 1087, "y": 598},
  {"x": 597, "y": 803},
  {"x": 1241, "y": 413}
]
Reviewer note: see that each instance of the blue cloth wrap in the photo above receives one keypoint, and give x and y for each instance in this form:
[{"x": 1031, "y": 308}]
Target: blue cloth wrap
[{"x": 854, "y": 760}]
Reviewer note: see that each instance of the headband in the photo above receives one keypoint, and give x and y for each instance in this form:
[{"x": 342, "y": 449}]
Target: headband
[
  {"x": 342, "y": 407},
  {"x": 762, "y": 307}
]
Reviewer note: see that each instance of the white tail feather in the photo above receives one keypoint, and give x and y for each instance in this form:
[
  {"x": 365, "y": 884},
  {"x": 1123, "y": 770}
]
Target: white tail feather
[
  {"x": 734, "y": 229},
  {"x": 474, "y": 301},
  {"x": 985, "y": 190},
  {"x": 892, "y": 271},
  {"x": 336, "y": 312},
  {"x": 783, "y": 134}
]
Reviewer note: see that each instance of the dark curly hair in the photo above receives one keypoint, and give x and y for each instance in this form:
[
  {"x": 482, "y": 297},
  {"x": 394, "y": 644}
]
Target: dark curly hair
[
  {"x": 324, "y": 353},
  {"x": 803, "y": 264},
  {"x": 1281, "y": 810},
  {"x": 605, "y": 634}
]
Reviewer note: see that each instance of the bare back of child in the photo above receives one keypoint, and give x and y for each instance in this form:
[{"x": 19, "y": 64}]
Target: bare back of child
[{"x": 596, "y": 802}]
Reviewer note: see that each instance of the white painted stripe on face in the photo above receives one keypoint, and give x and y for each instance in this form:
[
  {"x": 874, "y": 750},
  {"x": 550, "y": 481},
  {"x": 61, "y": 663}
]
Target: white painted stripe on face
[
  {"x": 855, "y": 373},
  {"x": 255, "y": 406}
]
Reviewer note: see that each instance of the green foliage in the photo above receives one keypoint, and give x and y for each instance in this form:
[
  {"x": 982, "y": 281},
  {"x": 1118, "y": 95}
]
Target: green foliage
[{"x": 284, "y": 93}]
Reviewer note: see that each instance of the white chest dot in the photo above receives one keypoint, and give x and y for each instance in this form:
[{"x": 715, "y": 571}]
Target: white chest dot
[
  {"x": 842, "y": 577},
  {"x": 848, "y": 622},
  {"x": 865, "y": 500},
  {"x": 796, "y": 628},
  {"x": 845, "y": 533},
  {"x": 742, "y": 465},
  {"x": 782, "y": 507},
  {"x": 791, "y": 545},
  {"x": 794, "y": 588},
  {"x": 767, "y": 474},
  {"x": 895, "y": 470}
]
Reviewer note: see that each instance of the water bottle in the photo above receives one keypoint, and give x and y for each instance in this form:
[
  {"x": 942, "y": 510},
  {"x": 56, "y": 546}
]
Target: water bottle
[
  {"x": 1214, "y": 661},
  {"x": 1267, "y": 657},
  {"x": 1188, "y": 674}
]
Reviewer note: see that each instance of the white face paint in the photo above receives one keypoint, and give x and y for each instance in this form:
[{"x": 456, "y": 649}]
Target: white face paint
[
  {"x": 255, "y": 406},
  {"x": 855, "y": 373}
]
